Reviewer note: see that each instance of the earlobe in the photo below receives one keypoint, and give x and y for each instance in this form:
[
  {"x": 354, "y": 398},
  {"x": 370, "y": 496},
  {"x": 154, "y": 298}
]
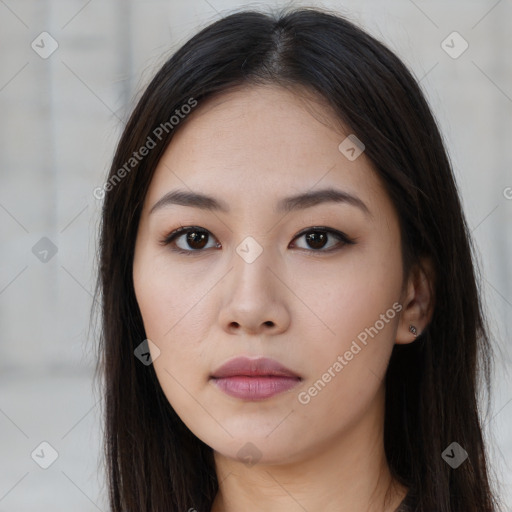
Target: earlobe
[{"x": 418, "y": 304}]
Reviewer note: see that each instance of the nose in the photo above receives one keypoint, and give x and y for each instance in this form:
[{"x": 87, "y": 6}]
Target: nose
[{"x": 254, "y": 299}]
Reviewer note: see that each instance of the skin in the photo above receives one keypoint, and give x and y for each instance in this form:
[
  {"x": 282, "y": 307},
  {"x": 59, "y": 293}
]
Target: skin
[{"x": 301, "y": 306}]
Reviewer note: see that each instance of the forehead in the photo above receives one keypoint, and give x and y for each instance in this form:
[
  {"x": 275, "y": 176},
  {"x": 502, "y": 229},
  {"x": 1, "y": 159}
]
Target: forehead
[
  {"x": 261, "y": 141},
  {"x": 258, "y": 115}
]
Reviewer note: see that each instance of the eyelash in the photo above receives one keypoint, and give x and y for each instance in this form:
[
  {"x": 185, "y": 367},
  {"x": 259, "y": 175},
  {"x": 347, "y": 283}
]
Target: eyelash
[{"x": 182, "y": 230}]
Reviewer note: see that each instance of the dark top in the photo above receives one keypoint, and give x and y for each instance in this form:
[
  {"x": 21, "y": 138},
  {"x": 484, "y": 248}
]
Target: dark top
[{"x": 409, "y": 503}]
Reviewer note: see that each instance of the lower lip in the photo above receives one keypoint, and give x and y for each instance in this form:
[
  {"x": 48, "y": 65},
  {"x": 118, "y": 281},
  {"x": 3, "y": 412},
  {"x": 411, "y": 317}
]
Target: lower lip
[{"x": 255, "y": 388}]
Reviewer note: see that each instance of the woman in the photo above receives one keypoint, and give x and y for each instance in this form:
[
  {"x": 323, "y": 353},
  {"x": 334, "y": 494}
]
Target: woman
[{"x": 291, "y": 318}]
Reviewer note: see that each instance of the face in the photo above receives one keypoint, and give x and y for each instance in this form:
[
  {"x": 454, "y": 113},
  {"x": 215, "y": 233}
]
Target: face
[{"x": 315, "y": 285}]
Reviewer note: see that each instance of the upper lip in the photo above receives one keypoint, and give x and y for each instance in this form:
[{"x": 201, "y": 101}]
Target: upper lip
[{"x": 252, "y": 367}]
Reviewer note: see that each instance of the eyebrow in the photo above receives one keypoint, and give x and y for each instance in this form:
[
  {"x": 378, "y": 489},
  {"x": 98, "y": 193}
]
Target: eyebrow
[{"x": 285, "y": 205}]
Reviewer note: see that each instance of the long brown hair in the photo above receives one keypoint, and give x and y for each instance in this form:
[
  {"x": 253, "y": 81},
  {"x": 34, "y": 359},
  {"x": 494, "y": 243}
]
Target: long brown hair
[{"x": 153, "y": 461}]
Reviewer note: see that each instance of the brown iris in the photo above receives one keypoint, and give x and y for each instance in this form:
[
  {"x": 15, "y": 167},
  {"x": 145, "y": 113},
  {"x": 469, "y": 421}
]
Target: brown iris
[
  {"x": 316, "y": 239},
  {"x": 197, "y": 237}
]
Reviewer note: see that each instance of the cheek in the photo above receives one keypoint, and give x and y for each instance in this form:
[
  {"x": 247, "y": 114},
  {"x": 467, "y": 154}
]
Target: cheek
[
  {"x": 344, "y": 298},
  {"x": 169, "y": 297},
  {"x": 171, "y": 310},
  {"x": 359, "y": 308},
  {"x": 174, "y": 317}
]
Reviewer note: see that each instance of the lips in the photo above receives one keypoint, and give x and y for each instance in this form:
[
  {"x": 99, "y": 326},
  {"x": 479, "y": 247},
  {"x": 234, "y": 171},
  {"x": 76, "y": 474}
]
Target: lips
[
  {"x": 258, "y": 367},
  {"x": 254, "y": 379}
]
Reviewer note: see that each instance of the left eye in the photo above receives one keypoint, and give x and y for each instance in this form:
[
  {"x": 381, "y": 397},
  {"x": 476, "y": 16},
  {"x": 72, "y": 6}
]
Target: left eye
[
  {"x": 317, "y": 237},
  {"x": 197, "y": 238}
]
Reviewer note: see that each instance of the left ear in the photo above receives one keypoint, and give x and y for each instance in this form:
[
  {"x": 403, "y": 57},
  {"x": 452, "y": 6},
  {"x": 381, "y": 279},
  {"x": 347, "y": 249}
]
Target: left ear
[{"x": 417, "y": 302}]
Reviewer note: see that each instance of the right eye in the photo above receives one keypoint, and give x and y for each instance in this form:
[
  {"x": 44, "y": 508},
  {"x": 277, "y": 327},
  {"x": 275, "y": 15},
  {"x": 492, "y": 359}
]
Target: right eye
[{"x": 194, "y": 238}]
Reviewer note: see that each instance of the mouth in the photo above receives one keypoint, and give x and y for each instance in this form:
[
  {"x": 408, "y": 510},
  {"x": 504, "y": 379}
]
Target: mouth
[
  {"x": 255, "y": 388},
  {"x": 254, "y": 379}
]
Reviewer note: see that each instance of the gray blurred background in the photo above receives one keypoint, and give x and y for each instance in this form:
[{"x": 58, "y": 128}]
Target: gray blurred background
[{"x": 69, "y": 74}]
